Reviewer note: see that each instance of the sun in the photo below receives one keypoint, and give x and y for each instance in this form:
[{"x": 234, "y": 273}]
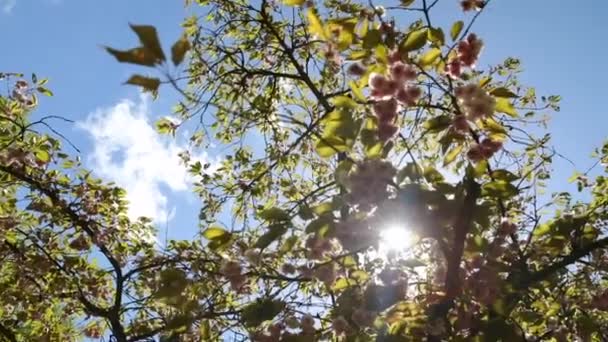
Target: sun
[{"x": 396, "y": 238}]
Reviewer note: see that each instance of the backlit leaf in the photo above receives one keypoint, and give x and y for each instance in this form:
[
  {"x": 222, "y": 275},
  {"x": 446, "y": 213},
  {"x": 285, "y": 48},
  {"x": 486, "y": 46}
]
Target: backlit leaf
[
  {"x": 415, "y": 40},
  {"x": 430, "y": 57},
  {"x": 456, "y": 29},
  {"x": 452, "y": 154},
  {"x": 179, "y": 49},
  {"x": 149, "y": 84},
  {"x": 294, "y": 2},
  {"x": 502, "y": 92},
  {"x": 214, "y": 233},
  {"x": 149, "y": 39},
  {"x": 139, "y": 56},
  {"x": 503, "y": 105}
]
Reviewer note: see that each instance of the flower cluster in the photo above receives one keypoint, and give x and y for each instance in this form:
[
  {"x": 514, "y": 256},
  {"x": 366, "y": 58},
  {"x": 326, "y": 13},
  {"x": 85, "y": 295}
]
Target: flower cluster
[
  {"x": 468, "y": 54},
  {"x": 472, "y": 5},
  {"x": 391, "y": 92},
  {"x": 317, "y": 247},
  {"x": 233, "y": 271},
  {"x": 22, "y": 93},
  {"x": 484, "y": 150},
  {"x": 354, "y": 234},
  {"x": 368, "y": 182},
  {"x": 475, "y": 102}
]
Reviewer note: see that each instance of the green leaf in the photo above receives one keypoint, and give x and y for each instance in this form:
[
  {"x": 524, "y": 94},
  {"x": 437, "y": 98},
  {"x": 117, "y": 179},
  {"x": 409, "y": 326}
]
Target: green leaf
[
  {"x": 503, "y": 105},
  {"x": 452, "y": 154},
  {"x": 43, "y": 156},
  {"x": 436, "y": 36},
  {"x": 139, "y": 56},
  {"x": 505, "y": 175},
  {"x": 344, "y": 102},
  {"x": 372, "y": 39},
  {"x": 294, "y": 2},
  {"x": 415, "y": 40},
  {"x": 149, "y": 84},
  {"x": 499, "y": 189},
  {"x": 456, "y": 29},
  {"x": 328, "y": 146},
  {"x": 323, "y": 208},
  {"x": 406, "y": 3},
  {"x": 149, "y": 39},
  {"x": 320, "y": 225},
  {"x": 261, "y": 310},
  {"x": 430, "y": 57},
  {"x": 44, "y": 91},
  {"x": 215, "y": 233},
  {"x": 179, "y": 49},
  {"x": 438, "y": 123},
  {"x": 412, "y": 263},
  {"x": 357, "y": 91},
  {"x": 274, "y": 215},
  {"x": 274, "y": 232},
  {"x": 543, "y": 229},
  {"x": 288, "y": 244},
  {"x": 502, "y": 92}
]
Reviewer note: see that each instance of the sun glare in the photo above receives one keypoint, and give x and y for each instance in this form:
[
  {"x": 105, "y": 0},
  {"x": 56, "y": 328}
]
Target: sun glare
[{"x": 395, "y": 239}]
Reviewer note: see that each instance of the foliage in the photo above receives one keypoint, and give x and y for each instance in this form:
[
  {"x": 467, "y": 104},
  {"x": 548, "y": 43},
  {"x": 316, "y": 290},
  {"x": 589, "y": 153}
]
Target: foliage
[{"x": 364, "y": 126}]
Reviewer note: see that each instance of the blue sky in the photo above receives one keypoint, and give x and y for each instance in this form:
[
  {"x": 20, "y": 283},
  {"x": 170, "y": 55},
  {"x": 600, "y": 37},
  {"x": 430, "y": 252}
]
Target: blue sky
[{"x": 559, "y": 42}]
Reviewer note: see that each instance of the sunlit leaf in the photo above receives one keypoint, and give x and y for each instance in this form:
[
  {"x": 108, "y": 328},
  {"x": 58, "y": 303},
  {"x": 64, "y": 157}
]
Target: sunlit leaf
[
  {"x": 436, "y": 36},
  {"x": 456, "y": 29},
  {"x": 294, "y": 2},
  {"x": 503, "y": 105},
  {"x": 415, "y": 40},
  {"x": 315, "y": 26},
  {"x": 430, "y": 57},
  {"x": 214, "y": 233},
  {"x": 499, "y": 189},
  {"x": 452, "y": 154}
]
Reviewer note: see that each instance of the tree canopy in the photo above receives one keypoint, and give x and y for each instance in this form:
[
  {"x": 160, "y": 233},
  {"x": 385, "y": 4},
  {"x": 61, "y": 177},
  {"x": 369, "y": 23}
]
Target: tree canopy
[{"x": 380, "y": 184}]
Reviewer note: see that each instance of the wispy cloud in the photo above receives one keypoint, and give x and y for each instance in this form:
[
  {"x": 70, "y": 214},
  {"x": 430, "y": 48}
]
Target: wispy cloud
[
  {"x": 7, "y": 5},
  {"x": 127, "y": 150}
]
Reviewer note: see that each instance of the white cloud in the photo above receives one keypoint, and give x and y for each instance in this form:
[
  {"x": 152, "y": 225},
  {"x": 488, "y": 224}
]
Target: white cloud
[
  {"x": 7, "y": 5},
  {"x": 128, "y": 151}
]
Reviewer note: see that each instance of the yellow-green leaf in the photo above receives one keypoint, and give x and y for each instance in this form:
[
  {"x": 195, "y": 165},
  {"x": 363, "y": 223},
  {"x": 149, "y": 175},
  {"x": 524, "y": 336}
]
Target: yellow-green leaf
[
  {"x": 147, "y": 83},
  {"x": 328, "y": 146},
  {"x": 436, "y": 36},
  {"x": 456, "y": 29},
  {"x": 315, "y": 26},
  {"x": 357, "y": 91},
  {"x": 452, "y": 154},
  {"x": 274, "y": 214},
  {"x": 406, "y": 3},
  {"x": 372, "y": 39},
  {"x": 179, "y": 49},
  {"x": 139, "y": 56},
  {"x": 485, "y": 81},
  {"x": 294, "y": 2},
  {"x": 214, "y": 233},
  {"x": 415, "y": 40},
  {"x": 503, "y": 105},
  {"x": 430, "y": 57},
  {"x": 344, "y": 102},
  {"x": 149, "y": 39},
  {"x": 44, "y": 91}
]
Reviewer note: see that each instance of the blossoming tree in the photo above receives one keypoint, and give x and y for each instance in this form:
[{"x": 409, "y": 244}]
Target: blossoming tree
[{"x": 380, "y": 184}]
